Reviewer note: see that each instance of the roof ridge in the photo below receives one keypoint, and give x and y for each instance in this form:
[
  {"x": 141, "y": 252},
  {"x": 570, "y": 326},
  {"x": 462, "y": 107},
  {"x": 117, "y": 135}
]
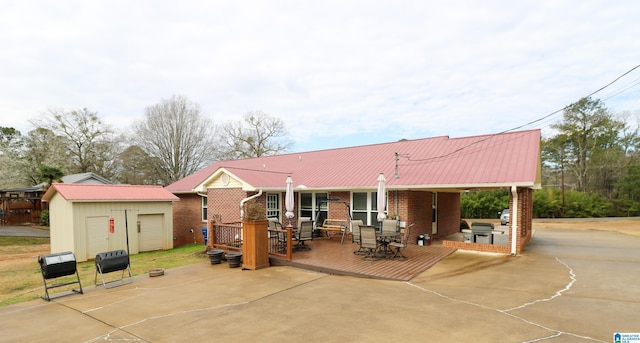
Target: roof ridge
[
  {"x": 102, "y": 185},
  {"x": 496, "y": 134}
]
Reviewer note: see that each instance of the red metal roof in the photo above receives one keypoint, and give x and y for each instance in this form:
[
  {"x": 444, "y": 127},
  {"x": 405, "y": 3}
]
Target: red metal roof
[
  {"x": 496, "y": 160},
  {"x": 104, "y": 193}
]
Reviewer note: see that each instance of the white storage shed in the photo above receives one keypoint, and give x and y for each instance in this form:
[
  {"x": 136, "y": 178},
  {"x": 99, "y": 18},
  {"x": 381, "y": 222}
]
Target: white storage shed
[{"x": 88, "y": 219}]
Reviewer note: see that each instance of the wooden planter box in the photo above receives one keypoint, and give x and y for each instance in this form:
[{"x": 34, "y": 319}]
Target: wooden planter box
[{"x": 255, "y": 248}]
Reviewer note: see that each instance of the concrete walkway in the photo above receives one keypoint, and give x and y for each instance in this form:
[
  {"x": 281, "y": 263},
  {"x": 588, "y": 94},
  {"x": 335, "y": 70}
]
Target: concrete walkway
[{"x": 568, "y": 286}]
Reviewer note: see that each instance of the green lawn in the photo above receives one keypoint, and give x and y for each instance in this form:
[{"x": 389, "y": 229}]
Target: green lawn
[{"x": 21, "y": 279}]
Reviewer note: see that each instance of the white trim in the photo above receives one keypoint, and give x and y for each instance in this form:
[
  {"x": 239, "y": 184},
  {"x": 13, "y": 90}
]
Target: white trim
[{"x": 514, "y": 220}]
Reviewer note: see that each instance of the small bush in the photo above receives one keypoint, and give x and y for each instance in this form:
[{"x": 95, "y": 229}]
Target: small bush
[{"x": 44, "y": 218}]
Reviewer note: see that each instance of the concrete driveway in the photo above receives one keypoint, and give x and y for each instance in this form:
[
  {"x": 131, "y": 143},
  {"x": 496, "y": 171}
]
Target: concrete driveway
[
  {"x": 568, "y": 286},
  {"x": 23, "y": 231}
]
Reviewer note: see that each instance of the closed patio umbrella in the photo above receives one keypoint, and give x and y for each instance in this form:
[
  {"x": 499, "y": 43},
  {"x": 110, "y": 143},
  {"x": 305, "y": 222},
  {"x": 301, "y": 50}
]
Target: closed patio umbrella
[
  {"x": 381, "y": 197},
  {"x": 288, "y": 199}
]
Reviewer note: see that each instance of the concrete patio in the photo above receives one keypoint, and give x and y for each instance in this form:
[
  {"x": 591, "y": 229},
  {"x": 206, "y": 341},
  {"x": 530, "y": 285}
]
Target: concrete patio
[{"x": 559, "y": 290}]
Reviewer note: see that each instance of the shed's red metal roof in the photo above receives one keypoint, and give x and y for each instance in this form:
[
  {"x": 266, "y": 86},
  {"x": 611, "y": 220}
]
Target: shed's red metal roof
[
  {"x": 496, "y": 160},
  {"x": 97, "y": 192}
]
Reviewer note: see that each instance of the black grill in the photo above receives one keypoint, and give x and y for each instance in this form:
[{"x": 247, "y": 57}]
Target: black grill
[
  {"x": 482, "y": 229},
  {"x": 57, "y": 265},
  {"x": 112, "y": 261}
]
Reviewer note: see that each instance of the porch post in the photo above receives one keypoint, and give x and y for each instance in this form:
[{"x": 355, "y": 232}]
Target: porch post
[{"x": 514, "y": 220}]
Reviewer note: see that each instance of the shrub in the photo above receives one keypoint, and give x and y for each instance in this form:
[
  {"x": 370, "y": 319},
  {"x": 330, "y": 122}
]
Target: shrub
[
  {"x": 44, "y": 218},
  {"x": 254, "y": 211}
]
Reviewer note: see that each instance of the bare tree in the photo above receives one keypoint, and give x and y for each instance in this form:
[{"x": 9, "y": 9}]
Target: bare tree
[
  {"x": 258, "y": 134},
  {"x": 11, "y": 142},
  {"x": 91, "y": 143},
  {"x": 178, "y": 135}
]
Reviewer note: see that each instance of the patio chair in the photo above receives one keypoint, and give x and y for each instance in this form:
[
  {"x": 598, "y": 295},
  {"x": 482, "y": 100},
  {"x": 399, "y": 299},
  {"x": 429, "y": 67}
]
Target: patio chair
[
  {"x": 402, "y": 244},
  {"x": 368, "y": 242},
  {"x": 355, "y": 234},
  {"x": 280, "y": 237},
  {"x": 389, "y": 227},
  {"x": 303, "y": 219},
  {"x": 305, "y": 233}
]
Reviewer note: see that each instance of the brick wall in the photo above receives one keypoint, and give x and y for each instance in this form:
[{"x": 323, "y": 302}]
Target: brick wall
[
  {"x": 525, "y": 216},
  {"x": 499, "y": 249},
  {"x": 448, "y": 214},
  {"x": 338, "y": 210},
  {"x": 224, "y": 203},
  {"x": 186, "y": 217},
  {"x": 417, "y": 207},
  {"x": 414, "y": 207}
]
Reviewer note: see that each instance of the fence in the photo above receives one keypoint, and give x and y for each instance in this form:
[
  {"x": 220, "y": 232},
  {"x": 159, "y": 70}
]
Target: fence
[
  {"x": 20, "y": 218},
  {"x": 228, "y": 236}
]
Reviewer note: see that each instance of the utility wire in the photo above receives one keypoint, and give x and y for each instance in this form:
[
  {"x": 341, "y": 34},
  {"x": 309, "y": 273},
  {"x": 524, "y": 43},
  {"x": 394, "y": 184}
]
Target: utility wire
[{"x": 529, "y": 123}]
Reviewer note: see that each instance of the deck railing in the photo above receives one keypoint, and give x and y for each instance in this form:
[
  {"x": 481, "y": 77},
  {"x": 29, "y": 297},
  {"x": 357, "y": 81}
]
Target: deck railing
[
  {"x": 226, "y": 236},
  {"x": 279, "y": 248}
]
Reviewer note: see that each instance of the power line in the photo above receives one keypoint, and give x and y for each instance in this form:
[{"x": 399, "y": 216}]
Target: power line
[{"x": 529, "y": 123}]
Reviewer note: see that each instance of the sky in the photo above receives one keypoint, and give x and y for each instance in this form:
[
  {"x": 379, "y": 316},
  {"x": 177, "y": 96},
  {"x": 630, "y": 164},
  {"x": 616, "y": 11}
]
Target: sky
[{"x": 338, "y": 73}]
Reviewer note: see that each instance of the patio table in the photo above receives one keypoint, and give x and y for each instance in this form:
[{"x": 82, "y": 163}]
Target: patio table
[{"x": 385, "y": 239}]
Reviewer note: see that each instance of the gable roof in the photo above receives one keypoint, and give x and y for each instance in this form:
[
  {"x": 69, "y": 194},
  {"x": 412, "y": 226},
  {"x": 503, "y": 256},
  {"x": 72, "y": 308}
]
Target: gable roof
[
  {"x": 89, "y": 177},
  {"x": 108, "y": 193},
  {"x": 486, "y": 161}
]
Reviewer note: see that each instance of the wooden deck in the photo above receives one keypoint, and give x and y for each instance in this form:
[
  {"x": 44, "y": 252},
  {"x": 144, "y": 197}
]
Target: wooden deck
[{"x": 329, "y": 256}]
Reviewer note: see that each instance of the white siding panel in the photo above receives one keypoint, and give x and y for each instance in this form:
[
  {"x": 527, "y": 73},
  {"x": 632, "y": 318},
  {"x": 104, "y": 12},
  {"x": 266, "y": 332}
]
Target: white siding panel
[{"x": 62, "y": 237}]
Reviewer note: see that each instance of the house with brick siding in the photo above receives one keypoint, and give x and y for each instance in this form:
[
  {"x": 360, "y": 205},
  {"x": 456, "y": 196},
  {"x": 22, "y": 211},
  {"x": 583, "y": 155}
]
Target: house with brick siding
[{"x": 424, "y": 181}]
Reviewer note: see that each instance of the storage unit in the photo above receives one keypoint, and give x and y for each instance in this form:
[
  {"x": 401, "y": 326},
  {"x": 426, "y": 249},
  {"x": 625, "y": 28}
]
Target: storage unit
[{"x": 88, "y": 219}]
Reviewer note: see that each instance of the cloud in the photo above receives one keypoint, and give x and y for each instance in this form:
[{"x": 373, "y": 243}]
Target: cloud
[{"x": 338, "y": 73}]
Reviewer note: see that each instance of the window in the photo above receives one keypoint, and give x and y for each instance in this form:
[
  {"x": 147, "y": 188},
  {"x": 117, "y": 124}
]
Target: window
[
  {"x": 365, "y": 207},
  {"x": 273, "y": 205},
  {"x": 204, "y": 208},
  {"x": 359, "y": 208},
  {"x": 314, "y": 206}
]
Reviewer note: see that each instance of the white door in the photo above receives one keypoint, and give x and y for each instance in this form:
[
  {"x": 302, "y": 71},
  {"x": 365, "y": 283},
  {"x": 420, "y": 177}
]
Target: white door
[
  {"x": 97, "y": 236},
  {"x": 150, "y": 232}
]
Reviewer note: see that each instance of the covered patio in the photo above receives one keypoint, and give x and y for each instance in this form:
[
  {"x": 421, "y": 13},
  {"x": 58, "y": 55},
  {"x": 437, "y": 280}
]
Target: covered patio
[{"x": 331, "y": 257}]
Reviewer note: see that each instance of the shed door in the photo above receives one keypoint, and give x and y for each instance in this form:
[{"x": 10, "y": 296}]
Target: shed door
[
  {"x": 97, "y": 236},
  {"x": 150, "y": 232}
]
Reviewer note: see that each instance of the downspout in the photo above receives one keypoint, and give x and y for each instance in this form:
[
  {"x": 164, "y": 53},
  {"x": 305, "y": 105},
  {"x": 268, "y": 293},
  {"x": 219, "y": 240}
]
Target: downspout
[
  {"x": 396, "y": 211},
  {"x": 247, "y": 199},
  {"x": 514, "y": 219}
]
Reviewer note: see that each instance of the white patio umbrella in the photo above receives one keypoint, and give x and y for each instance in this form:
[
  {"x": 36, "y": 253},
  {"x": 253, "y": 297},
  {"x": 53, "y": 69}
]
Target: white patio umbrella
[
  {"x": 381, "y": 198},
  {"x": 288, "y": 199}
]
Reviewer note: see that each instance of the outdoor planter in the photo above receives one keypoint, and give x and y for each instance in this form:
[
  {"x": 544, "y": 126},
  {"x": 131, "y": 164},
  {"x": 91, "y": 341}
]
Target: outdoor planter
[
  {"x": 234, "y": 259},
  {"x": 156, "y": 272},
  {"x": 256, "y": 244},
  {"x": 215, "y": 256}
]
